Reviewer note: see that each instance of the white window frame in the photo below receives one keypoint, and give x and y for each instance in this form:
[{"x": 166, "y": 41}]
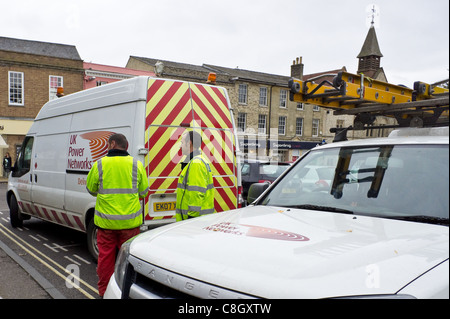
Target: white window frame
[
  {"x": 52, "y": 90},
  {"x": 243, "y": 94},
  {"x": 242, "y": 122},
  {"x": 283, "y": 99},
  {"x": 315, "y": 127},
  {"x": 20, "y": 90},
  {"x": 299, "y": 128},
  {"x": 282, "y": 125},
  {"x": 262, "y": 124},
  {"x": 300, "y": 106},
  {"x": 316, "y": 108},
  {"x": 263, "y": 96}
]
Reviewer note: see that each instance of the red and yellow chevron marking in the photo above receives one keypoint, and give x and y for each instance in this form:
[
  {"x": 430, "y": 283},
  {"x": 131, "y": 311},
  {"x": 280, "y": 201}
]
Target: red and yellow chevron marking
[
  {"x": 170, "y": 111},
  {"x": 210, "y": 107},
  {"x": 220, "y": 151},
  {"x": 163, "y": 93},
  {"x": 52, "y": 215}
]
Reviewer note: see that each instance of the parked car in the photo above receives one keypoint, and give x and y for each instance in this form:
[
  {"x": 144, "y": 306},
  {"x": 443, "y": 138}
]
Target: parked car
[
  {"x": 378, "y": 229},
  {"x": 258, "y": 171}
]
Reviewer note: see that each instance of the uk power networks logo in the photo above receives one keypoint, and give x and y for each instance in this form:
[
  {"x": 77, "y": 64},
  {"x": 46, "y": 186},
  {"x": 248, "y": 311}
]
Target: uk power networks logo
[
  {"x": 85, "y": 151},
  {"x": 255, "y": 231},
  {"x": 98, "y": 143}
]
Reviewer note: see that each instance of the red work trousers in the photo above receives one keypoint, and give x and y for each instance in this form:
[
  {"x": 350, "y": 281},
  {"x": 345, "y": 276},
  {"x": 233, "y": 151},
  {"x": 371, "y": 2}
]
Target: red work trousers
[{"x": 109, "y": 243}]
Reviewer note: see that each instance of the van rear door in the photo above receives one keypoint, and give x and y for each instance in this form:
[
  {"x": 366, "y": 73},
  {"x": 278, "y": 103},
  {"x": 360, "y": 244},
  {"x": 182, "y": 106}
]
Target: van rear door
[
  {"x": 168, "y": 114},
  {"x": 211, "y": 111},
  {"x": 173, "y": 107}
]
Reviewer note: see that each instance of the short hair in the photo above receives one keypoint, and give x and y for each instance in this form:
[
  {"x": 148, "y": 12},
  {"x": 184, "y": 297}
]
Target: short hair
[
  {"x": 120, "y": 139},
  {"x": 196, "y": 139}
]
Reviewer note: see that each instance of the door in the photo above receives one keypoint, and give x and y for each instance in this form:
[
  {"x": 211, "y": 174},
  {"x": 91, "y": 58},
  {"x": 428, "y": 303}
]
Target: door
[
  {"x": 23, "y": 174},
  {"x": 168, "y": 115}
]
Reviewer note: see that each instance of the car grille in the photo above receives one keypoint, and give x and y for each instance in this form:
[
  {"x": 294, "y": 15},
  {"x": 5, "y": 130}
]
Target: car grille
[{"x": 146, "y": 281}]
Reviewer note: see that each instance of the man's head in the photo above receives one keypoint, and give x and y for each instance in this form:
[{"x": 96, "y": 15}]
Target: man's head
[
  {"x": 117, "y": 142},
  {"x": 191, "y": 141}
]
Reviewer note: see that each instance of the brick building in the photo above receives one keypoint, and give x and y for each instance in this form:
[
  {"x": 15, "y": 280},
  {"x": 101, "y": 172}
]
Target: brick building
[{"x": 30, "y": 72}]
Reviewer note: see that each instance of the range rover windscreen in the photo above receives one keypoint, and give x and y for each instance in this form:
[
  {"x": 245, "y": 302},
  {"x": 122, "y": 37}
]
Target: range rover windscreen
[{"x": 406, "y": 182}]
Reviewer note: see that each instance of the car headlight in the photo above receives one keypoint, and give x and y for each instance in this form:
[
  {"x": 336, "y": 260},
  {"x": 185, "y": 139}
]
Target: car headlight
[{"x": 122, "y": 263}]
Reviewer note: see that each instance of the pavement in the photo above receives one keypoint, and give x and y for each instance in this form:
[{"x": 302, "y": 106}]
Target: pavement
[
  {"x": 18, "y": 280},
  {"x": 15, "y": 281}
]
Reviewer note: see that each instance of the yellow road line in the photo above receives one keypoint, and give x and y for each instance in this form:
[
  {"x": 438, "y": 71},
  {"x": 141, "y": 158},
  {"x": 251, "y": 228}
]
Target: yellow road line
[{"x": 43, "y": 262}]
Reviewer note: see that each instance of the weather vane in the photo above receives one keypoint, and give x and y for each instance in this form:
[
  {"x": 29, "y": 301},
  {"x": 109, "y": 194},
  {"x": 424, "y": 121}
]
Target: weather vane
[{"x": 373, "y": 16}]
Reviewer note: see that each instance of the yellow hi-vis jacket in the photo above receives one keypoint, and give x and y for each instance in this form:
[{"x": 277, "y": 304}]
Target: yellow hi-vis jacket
[
  {"x": 195, "y": 191},
  {"x": 118, "y": 181}
]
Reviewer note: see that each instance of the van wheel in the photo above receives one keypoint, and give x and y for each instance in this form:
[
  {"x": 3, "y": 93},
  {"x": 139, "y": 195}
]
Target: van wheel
[
  {"x": 92, "y": 239},
  {"x": 14, "y": 214}
]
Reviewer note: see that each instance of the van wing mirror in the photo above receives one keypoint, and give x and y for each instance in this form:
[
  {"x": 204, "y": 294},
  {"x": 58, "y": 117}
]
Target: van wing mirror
[{"x": 256, "y": 190}]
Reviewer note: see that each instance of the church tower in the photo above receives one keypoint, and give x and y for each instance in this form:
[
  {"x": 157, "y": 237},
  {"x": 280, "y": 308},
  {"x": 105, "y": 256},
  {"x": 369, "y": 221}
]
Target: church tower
[{"x": 370, "y": 57}]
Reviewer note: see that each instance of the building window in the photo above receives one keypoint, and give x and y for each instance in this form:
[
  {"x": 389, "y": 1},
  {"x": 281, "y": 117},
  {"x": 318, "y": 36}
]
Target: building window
[
  {"x": 299, "y": 126},
  {"x": 283, "y": 98},
  {"x": 241, "y": 122},
  {"x": 53, "y": 83},
  {"x": 300, "y": 106},
  {"x": 242, "y": 93},
  {"x": 262, "y": 120},
  {"x": 282, "y": 125},
  {"x": 16, "y": 88},
  {"x": 369, "y": 132},
  {"x": 263, "y": 96},
  {"x": 100, "y": 83},
  {"x": 316, "y": 108},
  {"x": 315, "y": 127}
]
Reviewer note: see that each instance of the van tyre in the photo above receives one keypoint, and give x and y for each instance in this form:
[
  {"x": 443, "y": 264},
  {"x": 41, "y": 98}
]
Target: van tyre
[
  {"x": 14, "y": 214},
  {"x": 92, "y": 239}
]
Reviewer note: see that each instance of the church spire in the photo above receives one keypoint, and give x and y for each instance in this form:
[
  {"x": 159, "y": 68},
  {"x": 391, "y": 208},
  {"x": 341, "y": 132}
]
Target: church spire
[
  {"x": 370, "y": 46},
  {"x": 370, "y": 55}
]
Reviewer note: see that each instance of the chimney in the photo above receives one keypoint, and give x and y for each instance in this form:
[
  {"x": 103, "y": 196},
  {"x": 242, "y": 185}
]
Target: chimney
[{"x": 297, "y": 68}]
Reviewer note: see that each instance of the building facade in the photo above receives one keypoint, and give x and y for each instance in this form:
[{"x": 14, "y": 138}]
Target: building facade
[{"x": 30, "y": 72}]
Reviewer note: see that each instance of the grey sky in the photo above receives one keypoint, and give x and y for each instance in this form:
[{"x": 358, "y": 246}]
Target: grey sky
[{"x": 257, "y": 35}]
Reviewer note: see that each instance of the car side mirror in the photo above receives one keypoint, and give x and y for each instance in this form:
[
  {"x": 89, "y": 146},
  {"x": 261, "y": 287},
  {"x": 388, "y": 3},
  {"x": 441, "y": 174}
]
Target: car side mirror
[{"x": 256, "y": 190}]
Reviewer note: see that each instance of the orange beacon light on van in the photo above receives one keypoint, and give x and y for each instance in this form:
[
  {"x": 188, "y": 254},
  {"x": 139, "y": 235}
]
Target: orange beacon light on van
[{"x": 212, "y": 78}]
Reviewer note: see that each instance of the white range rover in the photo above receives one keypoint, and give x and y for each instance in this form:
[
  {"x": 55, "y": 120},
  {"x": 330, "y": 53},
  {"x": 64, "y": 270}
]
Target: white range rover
[{"x": 378, "y": 227}]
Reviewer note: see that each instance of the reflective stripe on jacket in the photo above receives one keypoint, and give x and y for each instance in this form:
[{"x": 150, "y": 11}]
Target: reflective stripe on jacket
[
  {"x": 195, "y": 191},
  {"x": 118, "y": 182}
]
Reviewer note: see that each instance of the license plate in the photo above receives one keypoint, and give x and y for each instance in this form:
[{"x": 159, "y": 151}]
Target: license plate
[{"x": 164, "y": 206}]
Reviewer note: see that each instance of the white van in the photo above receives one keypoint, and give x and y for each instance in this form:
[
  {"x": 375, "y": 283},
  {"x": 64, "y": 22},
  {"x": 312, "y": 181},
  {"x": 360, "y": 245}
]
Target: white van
[{"x": 69, "y": 134}]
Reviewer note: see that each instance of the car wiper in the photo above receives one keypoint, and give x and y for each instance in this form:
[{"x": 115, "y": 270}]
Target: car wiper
[
  {"x": 422, "y": 219},
  {"x": 323, "y": 208}
]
